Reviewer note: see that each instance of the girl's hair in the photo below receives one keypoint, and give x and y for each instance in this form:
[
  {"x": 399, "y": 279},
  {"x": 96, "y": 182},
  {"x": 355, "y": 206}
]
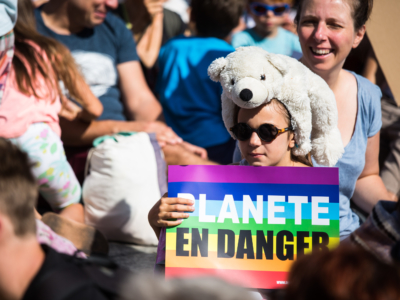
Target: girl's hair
[
  {"x": 306, "y": 160},
  {"x": 360, "y": 11},
  {"x": 59, "y": 60}
]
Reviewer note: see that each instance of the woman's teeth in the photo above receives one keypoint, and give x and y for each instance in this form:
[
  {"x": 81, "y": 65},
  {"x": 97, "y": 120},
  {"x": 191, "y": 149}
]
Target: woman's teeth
[{"x": 320, "y": 51}]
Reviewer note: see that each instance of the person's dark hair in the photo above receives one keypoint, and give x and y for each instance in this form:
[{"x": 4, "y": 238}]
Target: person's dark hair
[
  {"x": 306, "y": 160},
  {"x": 360, "y": 11},
  {"x": 346, "y": 273},
  {"x": 18, "y": 190},
  {"x": 216, "y": 18},
  {"x": 28, "y": 61}
]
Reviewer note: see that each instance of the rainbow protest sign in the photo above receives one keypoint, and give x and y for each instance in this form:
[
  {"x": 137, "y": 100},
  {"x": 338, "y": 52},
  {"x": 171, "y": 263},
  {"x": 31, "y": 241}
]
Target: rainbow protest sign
[{"x": 250, "y": 223}]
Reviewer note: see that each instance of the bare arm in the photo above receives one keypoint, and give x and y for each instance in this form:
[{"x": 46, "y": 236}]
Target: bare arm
[
  {"x": 91, "y": 106},
  {"x": 76, "y": 132},
  {"x": 181, "y": 154},
  {"x": 140, "y": 102},
  {"x": 148, "y": 47},
  {"x": 369, "y": 186},
  {"x": 79, "y": 133}
]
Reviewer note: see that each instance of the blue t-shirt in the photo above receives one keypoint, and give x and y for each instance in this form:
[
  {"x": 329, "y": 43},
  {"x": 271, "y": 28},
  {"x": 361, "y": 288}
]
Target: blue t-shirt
[
  {"x": 285, "y": 42},
  {"x": 191, "y": 101},
  {"x": 368, "y": 123},
  {"x": 98, "y": 51}
]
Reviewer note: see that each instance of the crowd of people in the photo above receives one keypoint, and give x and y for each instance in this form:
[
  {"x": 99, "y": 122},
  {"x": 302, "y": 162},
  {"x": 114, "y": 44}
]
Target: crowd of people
[{"x": 76, "y": 74}]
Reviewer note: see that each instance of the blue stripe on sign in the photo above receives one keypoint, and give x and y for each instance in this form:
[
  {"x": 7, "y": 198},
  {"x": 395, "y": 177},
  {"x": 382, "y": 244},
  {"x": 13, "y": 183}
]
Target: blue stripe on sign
[
  {"x": 217, "y": 191},
  {"x": 213, "y": 207}
]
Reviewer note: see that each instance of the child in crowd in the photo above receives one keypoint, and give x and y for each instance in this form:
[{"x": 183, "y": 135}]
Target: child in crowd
[
  {"x": 269, "y": 16},
  {"x": 272, "y": 142},
  {"x": 266, "y": 137},
  {"x": 190, "y": 100},
  {"x": 30, "y": 106}
]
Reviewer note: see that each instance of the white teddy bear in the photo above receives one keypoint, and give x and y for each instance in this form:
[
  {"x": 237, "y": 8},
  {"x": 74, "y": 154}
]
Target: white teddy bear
[{"x": 251, "y": 76}]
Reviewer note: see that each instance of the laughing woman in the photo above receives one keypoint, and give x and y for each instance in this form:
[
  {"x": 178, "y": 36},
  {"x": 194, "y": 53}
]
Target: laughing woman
[{"x": 328, "y": 30}]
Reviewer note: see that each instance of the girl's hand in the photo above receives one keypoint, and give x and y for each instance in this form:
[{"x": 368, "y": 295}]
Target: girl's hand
[{"x": 168, "y": 212}]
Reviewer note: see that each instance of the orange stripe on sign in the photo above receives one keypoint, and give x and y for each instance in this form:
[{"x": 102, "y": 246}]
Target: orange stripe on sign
[
  {"x": 213, "y": 262},
  {"x": 253, "y": 279}
]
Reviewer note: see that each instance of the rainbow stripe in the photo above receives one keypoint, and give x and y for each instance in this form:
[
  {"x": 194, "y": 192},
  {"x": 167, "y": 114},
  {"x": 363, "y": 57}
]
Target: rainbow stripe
[{"x": 249, "y": 270}]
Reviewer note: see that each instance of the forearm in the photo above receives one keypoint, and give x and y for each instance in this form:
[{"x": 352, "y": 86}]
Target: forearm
[
  {"x": 178, "y": 155},
  {"x": 91, "y": 105},
  {"x": 369, "y": 190},
  {"x": 140, "y": 102},
  {"x": 78, "y": 133},
  {"x": 145, "y": 108},
  {"x": 149, "y": 45}
]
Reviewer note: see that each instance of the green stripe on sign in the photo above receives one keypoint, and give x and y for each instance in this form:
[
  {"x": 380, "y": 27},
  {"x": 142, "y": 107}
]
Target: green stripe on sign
[{"x": 193, "y": 222}]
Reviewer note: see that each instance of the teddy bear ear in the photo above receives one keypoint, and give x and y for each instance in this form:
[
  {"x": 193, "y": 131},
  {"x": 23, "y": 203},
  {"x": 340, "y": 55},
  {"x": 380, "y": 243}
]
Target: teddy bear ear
[
  {"x": 216, "y": 67},
  {"x": 279, "y": 62}
]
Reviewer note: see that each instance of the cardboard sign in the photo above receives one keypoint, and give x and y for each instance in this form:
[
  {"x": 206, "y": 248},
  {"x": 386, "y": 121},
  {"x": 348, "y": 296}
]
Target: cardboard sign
[
  {"x": 250, "y": 223},
  {"x": 383, "y": 31}
]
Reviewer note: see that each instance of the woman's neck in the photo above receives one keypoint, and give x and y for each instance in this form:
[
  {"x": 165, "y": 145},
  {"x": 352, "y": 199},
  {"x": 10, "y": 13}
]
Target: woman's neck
[{"x": 331, "y": 76}]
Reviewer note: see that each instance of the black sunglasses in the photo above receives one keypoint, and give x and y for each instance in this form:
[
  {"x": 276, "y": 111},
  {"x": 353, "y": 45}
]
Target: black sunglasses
[
  {"x": 260, "y": 9},
  {"x": 266, "y": 132}
]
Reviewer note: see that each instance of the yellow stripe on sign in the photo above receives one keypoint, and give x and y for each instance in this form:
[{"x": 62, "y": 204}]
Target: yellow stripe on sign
[
  {"x": 213, "y": 242},
  {"x": 214, "y": 262}
]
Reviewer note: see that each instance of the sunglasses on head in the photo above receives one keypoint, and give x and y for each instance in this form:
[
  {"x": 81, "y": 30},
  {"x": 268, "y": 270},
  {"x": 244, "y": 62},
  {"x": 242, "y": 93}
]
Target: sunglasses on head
[
  {"x": 266, "y": 132},
  {"x": 260, "y": 9}
]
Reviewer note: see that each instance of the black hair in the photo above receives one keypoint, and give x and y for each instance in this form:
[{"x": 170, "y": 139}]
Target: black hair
[{"x": 216, "y": 18}]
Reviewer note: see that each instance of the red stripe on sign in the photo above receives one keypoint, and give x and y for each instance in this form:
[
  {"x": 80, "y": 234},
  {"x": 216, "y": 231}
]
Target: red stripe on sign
[{"x": 249, "y": 279}]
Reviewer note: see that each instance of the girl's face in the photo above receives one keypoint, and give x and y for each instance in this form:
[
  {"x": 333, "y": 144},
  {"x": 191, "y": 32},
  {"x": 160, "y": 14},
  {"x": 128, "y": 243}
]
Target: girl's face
[
  {"x": 326, "y": 32},
  {"x": 258, "y": 152},
  {"x": 268, "y": 23}
]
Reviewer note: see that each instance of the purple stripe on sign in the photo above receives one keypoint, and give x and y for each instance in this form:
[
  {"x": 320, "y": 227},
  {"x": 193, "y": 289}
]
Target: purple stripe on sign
[{"x": 248, "y": 174}]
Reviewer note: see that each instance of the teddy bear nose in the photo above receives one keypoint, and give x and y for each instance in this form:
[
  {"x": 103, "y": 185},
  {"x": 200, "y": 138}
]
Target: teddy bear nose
[{"x": 246, "y": 95}]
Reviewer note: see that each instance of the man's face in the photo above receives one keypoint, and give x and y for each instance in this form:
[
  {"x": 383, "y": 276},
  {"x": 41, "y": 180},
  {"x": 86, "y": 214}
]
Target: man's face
[{"x": 92, "y": 12}]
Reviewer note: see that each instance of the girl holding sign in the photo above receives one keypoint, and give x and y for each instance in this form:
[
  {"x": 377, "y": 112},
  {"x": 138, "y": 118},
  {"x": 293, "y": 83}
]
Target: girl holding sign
[
  {"x": 328, "y": 30},
  {"x": 266, "y": 139}
]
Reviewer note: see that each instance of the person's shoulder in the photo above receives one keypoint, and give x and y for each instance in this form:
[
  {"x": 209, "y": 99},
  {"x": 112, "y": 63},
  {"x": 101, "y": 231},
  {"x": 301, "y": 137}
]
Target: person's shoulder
[
  {"x": 369, "y": 98},
  {"x": 114, "y": 20},
  {"x": 367, "y": 87},
  {"x": 176, "y": 41},
  {"x": 246, "y": 37},
  {"x": 215, "y": 44},
  {"x": 115, "y": 25},
  {"x": 182, "y": 41},
  {"x": 244, "y": 33},
  {"x": 286, "y": 33},
  {"x": 369, "y": 94},
  {"x": 247, "y": 34}
]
